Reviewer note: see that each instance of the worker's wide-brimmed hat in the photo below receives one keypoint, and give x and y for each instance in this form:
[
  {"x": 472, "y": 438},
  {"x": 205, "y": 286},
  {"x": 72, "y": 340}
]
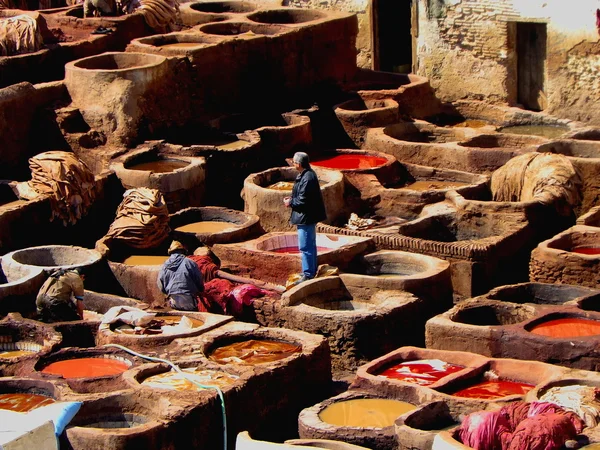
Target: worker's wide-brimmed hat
[{"x": 176, "y": 245}]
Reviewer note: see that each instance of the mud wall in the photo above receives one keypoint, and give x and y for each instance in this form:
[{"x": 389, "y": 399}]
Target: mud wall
[{"x": 469, "y": 49}]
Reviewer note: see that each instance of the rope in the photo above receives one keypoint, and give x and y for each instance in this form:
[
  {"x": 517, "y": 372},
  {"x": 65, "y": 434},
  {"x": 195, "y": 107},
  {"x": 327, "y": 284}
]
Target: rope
[{"x": 185, "y": 375}]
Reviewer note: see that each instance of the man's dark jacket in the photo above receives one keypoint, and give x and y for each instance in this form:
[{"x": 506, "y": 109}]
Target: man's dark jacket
[{"x": 307, "y": 202}]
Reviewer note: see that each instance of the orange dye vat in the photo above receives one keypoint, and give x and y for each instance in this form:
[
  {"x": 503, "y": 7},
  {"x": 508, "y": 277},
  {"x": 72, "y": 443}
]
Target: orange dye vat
[
  {"x": 296, "y": 250},
  {"x": 365, "y": 412},
  {"x": 86, "y": 367},
  {"x": 567, "y": 328},
  {"x": 254, "y": 352},
  {"x": 342, "y": 162},
  {"x": 489, "y": 390},
  {"x": 587, "y": 250},
  {"x": 23, "y": 402},
  {"x": 422, "y": 372}
]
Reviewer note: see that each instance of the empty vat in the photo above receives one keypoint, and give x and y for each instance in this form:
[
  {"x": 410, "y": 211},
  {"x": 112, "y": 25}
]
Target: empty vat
[
  {"x": 196, "y": 13},
  {"x": 50, "y": 258},
  {"x": 93, "y": 83},
  {"x": 265, "y": 200},
  {"x": 357, "y": 115},
  {"x": 286, "y": 16}
]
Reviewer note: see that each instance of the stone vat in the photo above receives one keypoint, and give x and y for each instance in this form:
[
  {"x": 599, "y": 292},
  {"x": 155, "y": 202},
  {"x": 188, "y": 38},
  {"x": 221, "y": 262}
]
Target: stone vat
[
  {"x": 311, "y": 425},
  {"x": 559, "y": 331},
  {"x": 266, "y": 201},
  {"x": 130, "y": 76},
  {"x": 357, "y": 115},
  {"x": 171, "y": 44},
  {"x": 24, "y": 339},
  {"x": 568, "y": 258},
  {"x": 196, "y": 13},
  {"x": 420, "y": 142},
  {"x": 264, "y": 256},
  {"x": 359, "y": 324},
  {"x": 476, "y": 245},
  {"x": 280, "y": 134},
  {"x": 50, "y": 258},
  {"x": 108, "y": 333},
  {"x": 19, "y": 286},
  {"x": 241, "y": 226},
  {"x": 85, "y": 378},
  {"x": 180, "y": 179},
  {"x": 426, "y": 277}
]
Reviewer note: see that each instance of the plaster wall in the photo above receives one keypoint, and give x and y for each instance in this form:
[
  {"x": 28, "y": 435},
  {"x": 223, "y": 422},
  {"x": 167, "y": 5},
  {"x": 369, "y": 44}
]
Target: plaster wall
[{"x": 467, "y": 48}]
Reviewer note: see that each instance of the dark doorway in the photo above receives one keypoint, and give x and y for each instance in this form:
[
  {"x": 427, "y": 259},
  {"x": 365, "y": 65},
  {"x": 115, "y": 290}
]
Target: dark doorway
[
  {"x": 531, "y": 65},
  {"x": 392, "y": 35}
]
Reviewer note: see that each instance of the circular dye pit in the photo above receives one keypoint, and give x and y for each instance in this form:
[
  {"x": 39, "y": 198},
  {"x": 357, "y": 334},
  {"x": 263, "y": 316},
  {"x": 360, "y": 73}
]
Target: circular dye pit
[
  {"x": 254, "y": 352},
  {"x": 594, "y": 251},
  {"x": 160, "y": 166},
  {"x": 568, "y": 327},
  {"x": 206, "y": 226},
  {"x": 422, "y": 372},
  {"x": 490, "y": 390},
  {"x": 365, "y": 412},
  {"x": 471, "y": 123},
  {"x": 178, "y": 382},
  {"x": 160, "y": 325},
  {"x": 296, "y": 250},
  {"x": 287, "y": 185},
  {"x": 145, "y": 260},
  {"x": 547, "y": 131},
  {"x": 86, "y": 367},
  {"x": 118, "y": 421},
  {"x": 350, "y": 162},
  {"x": 429, "y": 185},
  {"x": 16, "y": 353},
  {"x": 23, "y": 402}
]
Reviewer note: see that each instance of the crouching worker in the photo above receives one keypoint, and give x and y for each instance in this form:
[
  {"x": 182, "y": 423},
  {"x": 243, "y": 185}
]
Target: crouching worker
[
  {"x": 60, "y": 298},
  {"x": 180, "y": 279}
]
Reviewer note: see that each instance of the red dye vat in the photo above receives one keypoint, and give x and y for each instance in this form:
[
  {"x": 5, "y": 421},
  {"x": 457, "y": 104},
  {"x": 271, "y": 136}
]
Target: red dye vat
[
  {"x": 350, "y": 162},
  {"x": 587, "y": 250},
  {"x": 422, "y": 372},
  {"x": 490, "y": 390},
  {"x": 86, "y": 367},
  {"x": 567, "y": 328},
  {"x": 295, "y": 250},
  {"x": 23, "y": 402}
]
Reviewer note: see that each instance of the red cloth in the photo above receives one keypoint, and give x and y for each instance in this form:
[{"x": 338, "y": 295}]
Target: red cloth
[
  {"x": 207, "y": 267},
  {"x": 547, "y": 431},
  {"x": 598, "y": 20},
  {"x": 515, "y": 412},
  {"x": 244, "y": 295},
  {"x": 216, "y": 296},
  {"x": 484, "y": 430},
  {"x": 537, "y": 408}
]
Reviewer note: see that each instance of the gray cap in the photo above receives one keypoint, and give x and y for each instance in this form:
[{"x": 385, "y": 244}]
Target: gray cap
[{"x": 302, "y": 159}]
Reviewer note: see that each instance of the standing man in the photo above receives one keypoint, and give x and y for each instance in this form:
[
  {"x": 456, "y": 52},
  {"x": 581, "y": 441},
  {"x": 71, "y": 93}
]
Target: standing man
[
  {"x": 307, "y": 209},
  {"x": 180, "y": 279},
  {"x": 60, "y": 298}
]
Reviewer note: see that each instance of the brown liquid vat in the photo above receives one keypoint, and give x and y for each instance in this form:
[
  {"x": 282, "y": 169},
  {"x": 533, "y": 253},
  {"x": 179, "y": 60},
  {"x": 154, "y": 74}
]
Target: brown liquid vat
[
  {"x": 170, "y": 44},
  {"x": 268, "y": 203},
  {"x": 236, "y": 225},
  {"x": 311, "y": 425},
  {"x": 241, "y": 29},
  {"x": 180, "y": 179}
]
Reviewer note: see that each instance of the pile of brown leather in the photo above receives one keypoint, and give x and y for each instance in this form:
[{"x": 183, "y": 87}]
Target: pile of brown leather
[
  {"x": 142, "y": 220},
  {"x": 68, "y": 182}
]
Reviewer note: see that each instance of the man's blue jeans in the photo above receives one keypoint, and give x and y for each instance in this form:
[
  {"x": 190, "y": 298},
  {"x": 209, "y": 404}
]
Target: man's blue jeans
[{"x": 307, "y": 244}]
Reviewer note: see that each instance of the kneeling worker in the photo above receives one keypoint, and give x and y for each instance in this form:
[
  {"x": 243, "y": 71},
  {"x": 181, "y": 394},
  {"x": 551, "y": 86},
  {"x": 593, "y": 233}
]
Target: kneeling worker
[
  {"x": 60, "y": 298},
  {"x": 180, "y": 279}
]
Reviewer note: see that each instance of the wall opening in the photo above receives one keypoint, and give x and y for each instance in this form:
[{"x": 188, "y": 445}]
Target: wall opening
[
  {"x": 531, "y": 65},
  {"x": 393, "y": 35}
]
